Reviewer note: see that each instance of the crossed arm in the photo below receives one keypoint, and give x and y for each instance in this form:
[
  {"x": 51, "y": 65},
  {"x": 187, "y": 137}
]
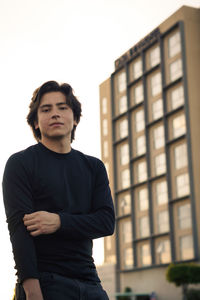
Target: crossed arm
[{"x": 40, "y": 222}]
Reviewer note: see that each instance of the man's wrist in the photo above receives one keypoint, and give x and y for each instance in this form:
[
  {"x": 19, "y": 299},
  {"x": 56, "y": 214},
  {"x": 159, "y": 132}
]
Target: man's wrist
[
  {"x": 32, "y": 286},
  {"x": 58, "y": 221}
]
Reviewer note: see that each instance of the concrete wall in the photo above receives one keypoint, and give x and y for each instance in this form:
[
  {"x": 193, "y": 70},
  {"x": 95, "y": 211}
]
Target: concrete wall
[
  {"x": 147, "y": 281},
  {"x": 107, "y": 275}
]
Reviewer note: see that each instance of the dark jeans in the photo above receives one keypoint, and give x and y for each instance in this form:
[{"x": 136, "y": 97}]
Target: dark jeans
[{"x": 57, "y": 287}]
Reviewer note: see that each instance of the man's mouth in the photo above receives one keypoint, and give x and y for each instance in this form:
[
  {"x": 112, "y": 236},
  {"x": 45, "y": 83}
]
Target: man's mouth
[{"x": 56, "y": 124}]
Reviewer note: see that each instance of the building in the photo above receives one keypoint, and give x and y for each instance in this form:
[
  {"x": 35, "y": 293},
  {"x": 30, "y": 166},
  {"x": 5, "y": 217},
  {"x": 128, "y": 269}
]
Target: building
[
  {"x": 150, "y": 120},
  {"x": 107, "y": 274}
]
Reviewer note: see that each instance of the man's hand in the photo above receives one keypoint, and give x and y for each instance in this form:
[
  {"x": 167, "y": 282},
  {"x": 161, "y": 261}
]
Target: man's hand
[
  {"x": 32, "y": 289},
  {"x": 42, "y": 222}
]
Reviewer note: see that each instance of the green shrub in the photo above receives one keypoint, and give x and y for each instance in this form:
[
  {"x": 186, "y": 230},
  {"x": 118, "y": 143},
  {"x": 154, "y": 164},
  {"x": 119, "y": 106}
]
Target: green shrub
[
  {"x": 181, "y": 274},
  {"x": 126, "y": 290}
]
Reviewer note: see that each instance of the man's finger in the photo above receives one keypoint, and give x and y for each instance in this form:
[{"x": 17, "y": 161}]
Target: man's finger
[
  {"x": 28, "y": 222},
  {"x": 29, "y": 216},
  {"x": 35, "y": 233},
  {"x": 31, "y": 228}
]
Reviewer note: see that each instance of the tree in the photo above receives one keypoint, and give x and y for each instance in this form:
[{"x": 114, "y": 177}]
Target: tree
[
  {"x": 182, "y": 275},
  {"x": 127, "y": 290}
]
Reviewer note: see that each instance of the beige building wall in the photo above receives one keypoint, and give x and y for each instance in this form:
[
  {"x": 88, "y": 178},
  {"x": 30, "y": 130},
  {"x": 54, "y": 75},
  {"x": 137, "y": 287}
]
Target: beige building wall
[
  {"x": 151, "y": 280},
  {"x": 192, "y": 29},
  {"x": 129, "y": 184},
  {"x": 107, "y": 275},
  {"x": 107, "y": 156},
  {"x": 191, "y": 18}
]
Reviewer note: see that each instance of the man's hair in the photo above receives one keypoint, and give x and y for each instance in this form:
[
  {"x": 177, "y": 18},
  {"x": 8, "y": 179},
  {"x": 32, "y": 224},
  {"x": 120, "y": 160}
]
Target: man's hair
[{"x": 47, "y": 87}]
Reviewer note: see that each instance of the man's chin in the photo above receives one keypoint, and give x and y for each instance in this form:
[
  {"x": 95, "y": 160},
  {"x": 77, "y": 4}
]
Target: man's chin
[{"x": 56, "y": 137}]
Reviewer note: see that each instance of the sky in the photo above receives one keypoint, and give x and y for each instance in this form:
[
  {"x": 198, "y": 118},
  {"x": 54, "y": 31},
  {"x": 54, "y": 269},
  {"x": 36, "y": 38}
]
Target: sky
[{"x": 71, "y": 41}]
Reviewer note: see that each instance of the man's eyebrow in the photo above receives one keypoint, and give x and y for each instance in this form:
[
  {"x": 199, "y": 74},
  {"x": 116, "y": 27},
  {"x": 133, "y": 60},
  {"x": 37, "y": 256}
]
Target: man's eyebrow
[
  {"x": 50, "y": 105},
  {"x": 61, "y": 103},
  {"x": 45, "y": 105}
]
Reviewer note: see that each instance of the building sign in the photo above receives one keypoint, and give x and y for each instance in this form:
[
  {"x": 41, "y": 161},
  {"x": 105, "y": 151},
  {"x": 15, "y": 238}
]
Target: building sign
[{"x": 149, "y": 39}]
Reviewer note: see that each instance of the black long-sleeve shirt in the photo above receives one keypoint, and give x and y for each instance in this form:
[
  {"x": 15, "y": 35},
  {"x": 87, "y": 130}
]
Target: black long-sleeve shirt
[{"x": 73, "y": 185}]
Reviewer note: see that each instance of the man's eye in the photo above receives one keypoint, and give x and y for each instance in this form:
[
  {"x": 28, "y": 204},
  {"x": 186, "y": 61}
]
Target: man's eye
[
  {"x": 45, "y": 110},
  {"x": 63, "y": 107}
]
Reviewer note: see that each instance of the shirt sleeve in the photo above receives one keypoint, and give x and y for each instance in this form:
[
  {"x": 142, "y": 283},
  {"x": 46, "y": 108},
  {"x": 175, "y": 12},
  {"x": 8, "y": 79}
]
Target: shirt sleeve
[
  {"x": 17, "y": 194},
  {"x": 101, "y": 221}
]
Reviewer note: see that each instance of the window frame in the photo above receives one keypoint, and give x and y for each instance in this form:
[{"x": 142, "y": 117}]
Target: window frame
[
  {"x": 175, "y": 70},
  {"x": 158, "y": 168},
  {"x": 156, "y": 84},
  {"x": 140, "y": 120},
  {"x": 143, "y": 177},
  {"x": 185, "y": 181},
  {"x": 171, "y": 52}
]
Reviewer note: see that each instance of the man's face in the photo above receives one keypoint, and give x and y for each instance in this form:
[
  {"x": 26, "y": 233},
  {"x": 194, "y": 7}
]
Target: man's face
[{"x": 55, "y": 117}]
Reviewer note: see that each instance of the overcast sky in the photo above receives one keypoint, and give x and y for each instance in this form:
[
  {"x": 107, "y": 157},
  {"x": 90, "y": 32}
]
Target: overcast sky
[{"x": 72, "y": 41}]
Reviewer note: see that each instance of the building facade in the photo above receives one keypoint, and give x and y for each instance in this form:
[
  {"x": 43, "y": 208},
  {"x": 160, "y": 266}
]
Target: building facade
[{"x": 150, "y": 120}]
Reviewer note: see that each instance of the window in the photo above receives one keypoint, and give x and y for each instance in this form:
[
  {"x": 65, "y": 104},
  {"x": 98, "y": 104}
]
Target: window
[
  {"x": 175, "y": 69},
  {"x": 184, "y": 216},
  {"x": 105, "y": 149},
  {"x": 157, "y": 109},
  {"x": 177, "y": 97},
  {"x": 163, "y": 221},
  {"x": 144, "y": 226},
  {"x": 105, "y": 127},
  {"x": 140, "y": 145},
  {"x": 123, "y": 128},
  {"x": 158, "y": 137},
  {"x": 104, "y": 105},
  {"x": 142, "y": 171},
  {"x": 125, "y": 205},
  {"x": 138, "y": 94},
  {"x": 124, "y": 154},
  {"x": 161, "y": 192},
  {"x": 127, "y": 231},
  {"x": 180, "y": 156},
  {"x": 121, "y": 82},
  {"x": 164, "y": 252},
  {"x": 143, "y": 199},
  {"x": 179, "y": 126},
  {"x": 160, "y": 164},
  {"x": 122, "y": 104},
  {"x": 128, "y": 258},
  {"x": 145, "y": 255},
  {"x": 139, "y": 120},
  {"x": 137, "y": 69},
  {"x": 154, "y": 56},
  {"x": 186, "y": 247},
  {"x": 182, "y": 185},
  {"x": 125, "y": 178},
  {"x": 156, "y": 86},
  {"x": 174, "y": 44}
]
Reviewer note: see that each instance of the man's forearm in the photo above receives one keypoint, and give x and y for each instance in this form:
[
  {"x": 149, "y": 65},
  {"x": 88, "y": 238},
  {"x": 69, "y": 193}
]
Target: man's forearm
[
  {"x": 32, "y": 289},
  {"x": 42, "y": 222}
]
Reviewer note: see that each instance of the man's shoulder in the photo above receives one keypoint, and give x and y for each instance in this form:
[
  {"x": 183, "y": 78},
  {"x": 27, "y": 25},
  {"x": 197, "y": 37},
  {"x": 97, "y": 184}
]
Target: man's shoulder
[
  {"x": 93, "y": 160},
  {"x": 25, "y": 152},
  {"x": 22, "y": 155},
  {"x": 20, "y": 162}
]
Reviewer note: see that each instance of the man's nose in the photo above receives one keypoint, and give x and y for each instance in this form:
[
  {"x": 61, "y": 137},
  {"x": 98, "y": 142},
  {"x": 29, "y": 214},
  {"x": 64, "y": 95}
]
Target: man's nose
[{"x": 55, "y": 114}]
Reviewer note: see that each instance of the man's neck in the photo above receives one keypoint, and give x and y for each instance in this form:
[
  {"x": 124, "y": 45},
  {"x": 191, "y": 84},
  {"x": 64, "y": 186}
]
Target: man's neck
[{"x": 57, "y": 145}]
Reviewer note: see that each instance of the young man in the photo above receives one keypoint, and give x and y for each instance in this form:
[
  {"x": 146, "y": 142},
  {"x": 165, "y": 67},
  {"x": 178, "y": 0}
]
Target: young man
[{"x": 57, "y": 200}]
